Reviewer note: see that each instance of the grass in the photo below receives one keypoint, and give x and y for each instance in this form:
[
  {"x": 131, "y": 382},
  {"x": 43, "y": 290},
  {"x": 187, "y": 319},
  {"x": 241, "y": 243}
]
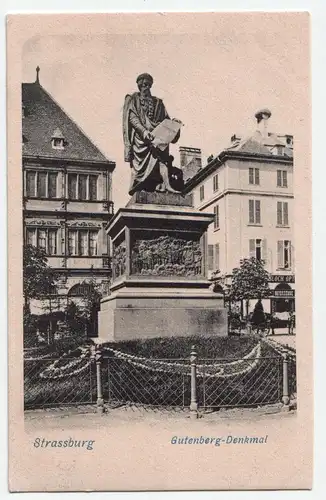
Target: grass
[{"x": 180, "y": 347}]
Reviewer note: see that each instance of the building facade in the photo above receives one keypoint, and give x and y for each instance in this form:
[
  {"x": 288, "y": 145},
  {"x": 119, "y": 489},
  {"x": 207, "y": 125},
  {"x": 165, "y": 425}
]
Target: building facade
[
  {"x": 249, "y": 188},
  {"x": 67, "y": 195}
]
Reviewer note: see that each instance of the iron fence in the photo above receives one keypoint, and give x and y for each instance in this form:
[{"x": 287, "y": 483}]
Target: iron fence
[
  {"x": 111, "y": 378},
  {"x": 136, "y": 384},
  {"x": 47, "y": 385},
  {"x": 250, "y": 385}
]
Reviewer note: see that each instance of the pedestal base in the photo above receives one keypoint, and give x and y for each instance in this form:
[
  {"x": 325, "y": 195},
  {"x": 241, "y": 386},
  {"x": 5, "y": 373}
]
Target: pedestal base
[
  {"x": 126, "y": 316},
  {"x": 160, "y": 286}
]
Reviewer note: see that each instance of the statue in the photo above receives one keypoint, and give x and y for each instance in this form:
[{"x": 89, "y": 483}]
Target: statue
[{"x": 151, "y": 168}]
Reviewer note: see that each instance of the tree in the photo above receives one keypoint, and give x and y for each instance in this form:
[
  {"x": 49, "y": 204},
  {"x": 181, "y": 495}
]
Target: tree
[
  {"x": 38, "y": 277},
  {"x": 249, "y": 281},
  {"x": 91, "y": 297}
]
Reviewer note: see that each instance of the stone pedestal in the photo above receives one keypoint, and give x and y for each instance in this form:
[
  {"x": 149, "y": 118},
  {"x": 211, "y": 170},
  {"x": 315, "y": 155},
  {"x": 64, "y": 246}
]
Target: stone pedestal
[{"x": 159, "y": 264}]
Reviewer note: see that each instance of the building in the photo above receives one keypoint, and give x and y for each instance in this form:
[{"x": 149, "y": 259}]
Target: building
[
  {"x": 249, "y": 188},
  {"x": 67, "y": 198}
]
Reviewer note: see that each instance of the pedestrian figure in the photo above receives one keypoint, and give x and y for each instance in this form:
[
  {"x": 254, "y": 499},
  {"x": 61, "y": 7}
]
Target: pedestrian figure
[
  {"x": 258, "y": 316},
  {"x": 291, "y": 322}
]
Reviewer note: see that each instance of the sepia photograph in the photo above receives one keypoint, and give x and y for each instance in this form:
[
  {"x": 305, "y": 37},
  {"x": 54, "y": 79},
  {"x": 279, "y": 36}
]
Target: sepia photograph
[{"x": 157, "y": 190}]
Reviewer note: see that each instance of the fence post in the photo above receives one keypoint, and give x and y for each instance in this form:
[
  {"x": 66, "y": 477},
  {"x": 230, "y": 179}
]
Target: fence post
[
  {"x": 285, "y": 397},
  {"x": 193, "y": 401},
  {"x": 99, "y": 401}
]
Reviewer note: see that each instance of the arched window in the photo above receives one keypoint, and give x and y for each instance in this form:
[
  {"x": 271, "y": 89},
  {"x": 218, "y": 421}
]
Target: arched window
[{"x": 80, "y": 290}]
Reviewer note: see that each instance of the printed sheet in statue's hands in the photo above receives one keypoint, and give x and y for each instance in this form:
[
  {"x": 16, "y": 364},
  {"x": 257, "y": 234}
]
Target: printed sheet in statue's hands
[{"x": 165, "y": 133}]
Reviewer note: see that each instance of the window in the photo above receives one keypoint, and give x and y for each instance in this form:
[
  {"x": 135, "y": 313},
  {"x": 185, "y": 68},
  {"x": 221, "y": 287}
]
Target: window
[
  {"x": 284, "y": 256},
  {"x": 282, "y": 178},
  {"x": 82, "y": 187},
  {"x": 282, "y": 213},
  {"x": 58, "y": 140},
  {"x": 41, "y": 184},
  {"x": 44, "y": 238},
  {"x": 52, "y": 241},
  {"x": 257, "y": 248},
  {"x": 82, "y": 242},
  {"x": 57, "y": 143},
  {"x": 201, "y": 193},
  {"x": 217, "y": 217},
  {"x": 253, "y": 175},
  {"x": 215, "y": 183},
  {"x": 213, "y": 260},
  {"x": 254, "y": 212},
  {"x": 30, "y": 183}
]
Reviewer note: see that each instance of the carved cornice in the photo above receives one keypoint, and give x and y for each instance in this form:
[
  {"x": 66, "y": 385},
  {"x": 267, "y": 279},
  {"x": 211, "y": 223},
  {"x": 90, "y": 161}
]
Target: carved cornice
[
  {"x": 43, "y": 222},
  {"x": 86, "y": 224}
]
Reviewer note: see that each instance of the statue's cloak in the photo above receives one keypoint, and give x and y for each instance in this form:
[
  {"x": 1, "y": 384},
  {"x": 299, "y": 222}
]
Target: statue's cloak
[{"x": 143, "y": 157}]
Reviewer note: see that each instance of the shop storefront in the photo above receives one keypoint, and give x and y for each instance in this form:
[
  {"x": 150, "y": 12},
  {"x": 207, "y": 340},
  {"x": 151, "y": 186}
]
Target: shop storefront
[{"x": 282, "y": 297}]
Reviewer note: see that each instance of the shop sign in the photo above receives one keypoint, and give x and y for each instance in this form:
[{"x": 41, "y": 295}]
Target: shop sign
[
  {"x": 281, "y": 278},
  {"x": 284, "y": 294}
]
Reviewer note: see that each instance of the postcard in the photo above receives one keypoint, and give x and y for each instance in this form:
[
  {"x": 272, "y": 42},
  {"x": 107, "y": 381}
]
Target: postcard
[{"x": 159, "y": 222}]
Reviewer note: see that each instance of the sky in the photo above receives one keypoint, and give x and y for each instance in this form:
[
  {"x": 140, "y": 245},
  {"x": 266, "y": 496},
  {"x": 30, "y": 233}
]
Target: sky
[{"x": 214, "y": 83}]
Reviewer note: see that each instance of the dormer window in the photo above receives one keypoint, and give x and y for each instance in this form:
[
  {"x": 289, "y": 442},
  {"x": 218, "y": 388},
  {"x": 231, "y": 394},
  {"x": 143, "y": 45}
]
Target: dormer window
[{"x": 58, "y": 140}]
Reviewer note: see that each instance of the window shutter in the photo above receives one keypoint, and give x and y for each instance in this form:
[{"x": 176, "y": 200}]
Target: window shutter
[
  {"x": 210, "y": 257},
  {"x": 217, "y": 218},
  {"x": 251, "y": 175},
  {"x": 252, "y": 248},
  {"x": 279, "y": 178},
  {"x": 257, "y": 213},
  {"x": 285, "y": 178},
  {"x": 292, "y": 257},
  {"x": 251, "y": 212},
  {"x": 280, "y": 254},
  {"x": 279, "y": 213},
  {"x": 264, "y": 250},
  {"x": 256, "y": 175},
  {"x": 217, "y": 257},
  {"x": 285, "y": 214}
]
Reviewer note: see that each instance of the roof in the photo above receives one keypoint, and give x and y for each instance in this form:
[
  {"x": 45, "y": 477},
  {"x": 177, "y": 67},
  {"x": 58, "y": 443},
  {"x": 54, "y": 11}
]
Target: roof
[
  {"x": 256, "y": 147},
  {"x": 43, "y": 118},
  {"x": 191, "y": 169},
  {"x": 259, "y": 144}
]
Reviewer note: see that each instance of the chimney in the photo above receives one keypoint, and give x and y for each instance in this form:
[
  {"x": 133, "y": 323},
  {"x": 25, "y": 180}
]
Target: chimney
[
  {"x": 262, "y": 116},
  {"x": 190, "y": 155},
  {"x": 37, "y": 74}
]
